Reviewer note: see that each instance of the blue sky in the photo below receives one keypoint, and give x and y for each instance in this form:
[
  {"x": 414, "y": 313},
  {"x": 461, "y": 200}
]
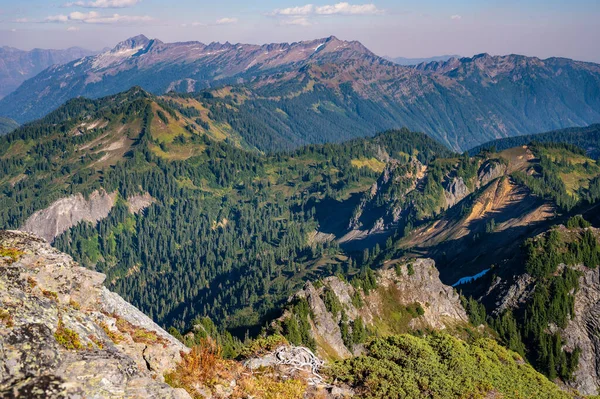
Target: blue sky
[{"x": 406, "y": 28}]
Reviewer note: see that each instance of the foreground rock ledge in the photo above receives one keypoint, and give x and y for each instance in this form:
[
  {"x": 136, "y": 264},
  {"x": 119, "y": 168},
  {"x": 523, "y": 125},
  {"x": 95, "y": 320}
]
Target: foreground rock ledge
[{"x": 63, "y": 335}]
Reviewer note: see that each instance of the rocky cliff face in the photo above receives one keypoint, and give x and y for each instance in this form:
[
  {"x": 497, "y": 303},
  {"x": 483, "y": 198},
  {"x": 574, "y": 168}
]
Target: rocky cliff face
[
  {"x": 455, "y": 191},
  {"x": 489, "y": 171},
  {"x": 369, "y": 216},
  {"x": 390, "y": 308},
  {"x": 513, "y": 289},
  {"x": 67, "y": 212},
  {"x": 583, "y": 332},
  {"x": 398, "y": 182},
  {"x": 64, "y": 335}
]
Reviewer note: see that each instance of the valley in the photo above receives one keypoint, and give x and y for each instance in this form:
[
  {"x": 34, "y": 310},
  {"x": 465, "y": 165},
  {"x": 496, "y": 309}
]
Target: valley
[
  {"x": 329, "y": 245},
  {"x": 256, "y": 208}
]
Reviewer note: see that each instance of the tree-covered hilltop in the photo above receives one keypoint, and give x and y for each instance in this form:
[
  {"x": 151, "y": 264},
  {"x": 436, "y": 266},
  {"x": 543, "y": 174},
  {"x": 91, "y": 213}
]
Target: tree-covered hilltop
[
  {"x": 587, "y": 138},
  {"x": 563, "y": 173},
  {"x": 228, "y": 232}
]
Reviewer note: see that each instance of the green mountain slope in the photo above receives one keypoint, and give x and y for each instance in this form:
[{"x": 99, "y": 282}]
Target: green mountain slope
[
  {"x": 187, "y": 219},
  {"x": 235, "y": 232},
  {"x": 227, "y": 229}
]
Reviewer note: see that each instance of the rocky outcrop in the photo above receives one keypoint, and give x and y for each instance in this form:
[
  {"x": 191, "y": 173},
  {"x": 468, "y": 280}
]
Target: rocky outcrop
[
  {"x": 139, "y": 202},
  {"x": 583, "y": 331},
  {"x": 390, "y": 307},
  {"x": 511, "y": 293},
  {"x": 325, "y": 327},
  {"x": 490, "y": 170},
  {"x": 455, "y": 191},
  {"x": 382, "y": 218},
  {"x": 64, "y": 335},
  {"x": 67, "y": 212}
]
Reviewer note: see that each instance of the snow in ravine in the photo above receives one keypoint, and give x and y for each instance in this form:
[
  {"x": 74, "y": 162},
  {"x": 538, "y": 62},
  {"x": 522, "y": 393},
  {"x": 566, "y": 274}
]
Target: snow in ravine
[{"x": 468, "y": 279}]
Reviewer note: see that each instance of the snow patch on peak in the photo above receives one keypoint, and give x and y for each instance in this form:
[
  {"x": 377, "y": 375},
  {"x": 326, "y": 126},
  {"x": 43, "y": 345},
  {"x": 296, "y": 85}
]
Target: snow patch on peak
[{"x": 114, "y": 56}]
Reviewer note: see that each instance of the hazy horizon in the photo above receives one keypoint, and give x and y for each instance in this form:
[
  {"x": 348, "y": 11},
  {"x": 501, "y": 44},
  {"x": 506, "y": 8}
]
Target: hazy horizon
[{"x": 407, "y": 29}]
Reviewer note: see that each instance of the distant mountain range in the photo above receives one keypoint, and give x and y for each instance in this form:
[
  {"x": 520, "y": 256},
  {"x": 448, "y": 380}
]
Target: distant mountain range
[
  {"x": 587, "y": 138},
  {"x": 16, "y": 66},
  {"x": 416, "y": 61},
  {"x": 287, "y": 95}
]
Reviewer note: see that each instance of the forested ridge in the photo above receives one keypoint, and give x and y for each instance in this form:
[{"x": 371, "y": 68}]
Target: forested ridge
[
  {"x": 233, "y": 232},
  {"x": 227, "y": 236},
  {"x": 555, "y": 259}
]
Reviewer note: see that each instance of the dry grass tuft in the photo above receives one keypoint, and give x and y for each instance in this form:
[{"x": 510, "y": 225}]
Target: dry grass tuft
[
  {"x": 138, "y": 334},
  {"x": 204, "y": 369},
  {"x": 50, "y": 295},
  {"x": 115, "y": 337},
  {"x": 198, "y": 367},
  {"x": 268, "y": 387}
]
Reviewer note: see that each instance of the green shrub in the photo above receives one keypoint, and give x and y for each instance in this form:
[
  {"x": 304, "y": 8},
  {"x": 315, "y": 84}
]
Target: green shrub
[
  {"x": 441, "y": 366},
  {"x": 577, "y": 221}
]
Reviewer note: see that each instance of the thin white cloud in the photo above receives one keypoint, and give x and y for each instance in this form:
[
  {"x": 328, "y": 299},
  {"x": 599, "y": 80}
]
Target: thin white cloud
[
  {"x": 298, "y": 21},
  {"x": 194, "y": 24},
  {"x": 81, "y": 16},
  {"x": 94, "y": 17},
  {"x": 57, "y": 18},
  {"x": 342, "y": 8},
  {"x": 348, "y": 9},
  {"x": 73, "y": 29},
  {"x": 301, "y": 10},
  {"x": 13, "y": 30},
  {"x": 21, "y": 20},
  {"x": 455, "y": 17},
  {"x": 227, "y": 21},
  {"x": 103, "y": 3}
]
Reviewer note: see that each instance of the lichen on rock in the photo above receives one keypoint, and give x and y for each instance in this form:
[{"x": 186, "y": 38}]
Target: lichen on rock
[{"x": 58, "y": 327}]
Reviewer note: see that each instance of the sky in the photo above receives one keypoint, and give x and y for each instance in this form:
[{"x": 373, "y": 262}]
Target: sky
[{"x": 397, "y": 28}]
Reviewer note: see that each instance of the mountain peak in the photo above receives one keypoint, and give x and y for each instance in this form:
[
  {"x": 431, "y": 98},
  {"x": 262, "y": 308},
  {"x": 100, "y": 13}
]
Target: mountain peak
[
  {"x": 132, "y": 43},
  {"x": 482, "y": 56}
]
